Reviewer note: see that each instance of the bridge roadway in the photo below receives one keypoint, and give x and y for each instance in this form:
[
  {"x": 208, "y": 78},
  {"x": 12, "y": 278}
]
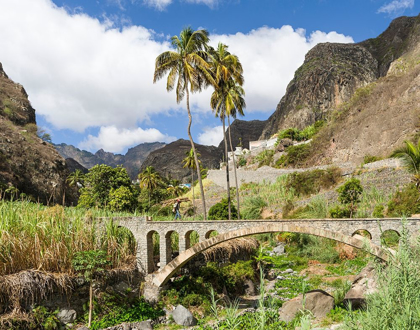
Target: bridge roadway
[{"x": 341, "y": 230}]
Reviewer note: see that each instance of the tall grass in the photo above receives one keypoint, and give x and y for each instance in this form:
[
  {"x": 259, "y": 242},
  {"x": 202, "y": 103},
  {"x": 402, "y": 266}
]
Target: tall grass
[
  {"x": 396, "y": 304},
  {"x": 33, "y": 236}
]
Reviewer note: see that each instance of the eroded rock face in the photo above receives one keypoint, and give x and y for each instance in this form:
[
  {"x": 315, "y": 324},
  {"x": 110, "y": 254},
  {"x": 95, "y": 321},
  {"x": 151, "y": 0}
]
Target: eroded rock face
[
  {"x": 168, "y": 161},
  {"x": 329, "y": 76},
  {"x": 183, "y": 316},
  {"x": 26, "y": 162}
]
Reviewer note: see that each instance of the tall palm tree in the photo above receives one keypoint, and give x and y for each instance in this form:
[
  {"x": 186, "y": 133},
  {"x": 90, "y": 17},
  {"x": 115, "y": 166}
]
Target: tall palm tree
[
  {"x": 226, "y": 70},
  {"x": 187, "y": 70},
  {"x": 150, "y": 180},
  {"x": 410, "y": 155},
  {"x": 236, "y": 93},
  {"x": 189, "y": 162}
]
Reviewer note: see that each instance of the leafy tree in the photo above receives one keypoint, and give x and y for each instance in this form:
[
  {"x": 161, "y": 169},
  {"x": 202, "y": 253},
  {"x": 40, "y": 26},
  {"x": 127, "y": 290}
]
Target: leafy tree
[
  {"x": 187, "y": 70},
  {"x": 349, "y": 194},
  {"x": 220, "y": 211},
  {"x": 149, "y": 180},
  {"x": 227, "y": 72},
  {"x": 410, "y": 155},
  {"x": 99, "y": 182},
  {"x": 190, "y": 163},
  {"x": 122, "y": 199},
  {"x": 89, "y": 263}
]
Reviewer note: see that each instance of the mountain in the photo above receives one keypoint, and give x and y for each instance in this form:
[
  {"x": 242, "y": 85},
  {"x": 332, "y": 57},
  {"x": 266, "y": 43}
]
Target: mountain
[
  {"x": 243, "y": 132},
  {"x": 131, "y": 160},
  {"x": 332, "y": 72},
  {"x": 168, "y": 161},
  {"x": 27, "y": 162}
]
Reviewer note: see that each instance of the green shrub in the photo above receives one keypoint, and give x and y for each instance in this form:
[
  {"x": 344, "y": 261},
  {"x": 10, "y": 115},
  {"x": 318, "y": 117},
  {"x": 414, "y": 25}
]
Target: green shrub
[
  {"x": 405, "y": 202},
  {"x": 295, "y": 155},
  {"x": 220, "y": 211},
  {"x": 252, "y": 207},
  {"x": 370, "y": 159},
  {"x": 339, "y": 212},
  {"x": 241, "y": 161},
  {"x": 265, "y": 158},
  {"x": 378, "y": 211},
  {"x": 311, "y": 182},
  {"x": 349, "y": 194}
]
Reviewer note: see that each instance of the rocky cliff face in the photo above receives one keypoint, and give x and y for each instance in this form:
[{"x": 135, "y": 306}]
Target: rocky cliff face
[
  {"x": 26, "y": 162},
  {"x": 244, "y": 131},
  {"x": 132, "y": 160},
  {"x": 331, "y": 74},
  {"x": 168, "y": 161}
]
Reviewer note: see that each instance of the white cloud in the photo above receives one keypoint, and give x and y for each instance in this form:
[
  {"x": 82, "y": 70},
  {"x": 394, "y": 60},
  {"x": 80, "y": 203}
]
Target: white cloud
[
  {"x": 396, "y": 7},
  {"x": 80, "y": 72},
  {"x": 210, "y": 3},
  {"x": 211, "y": 136},
  {"x": 113, "y": 139},
  {"x": 158, "y": 4}
]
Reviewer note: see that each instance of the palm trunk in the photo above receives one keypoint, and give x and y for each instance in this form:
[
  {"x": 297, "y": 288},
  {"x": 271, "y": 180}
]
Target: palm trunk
[
  {"x": 90, "y": 303},
  {"x": 193, "y": 148},
  {"x": 227, "y": 168},
  {"x": 192, "y": 186},
  {"x": 234, "y": 170}
]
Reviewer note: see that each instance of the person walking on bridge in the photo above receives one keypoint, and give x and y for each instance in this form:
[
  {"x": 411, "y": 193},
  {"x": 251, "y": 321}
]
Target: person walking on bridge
[{"x": 176, "y": 209}]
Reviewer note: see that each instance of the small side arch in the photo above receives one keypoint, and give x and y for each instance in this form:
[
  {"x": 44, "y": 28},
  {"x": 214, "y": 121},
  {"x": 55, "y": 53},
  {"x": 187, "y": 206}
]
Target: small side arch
[
  {"x": 211, "y": 233},
  {"x": 166, "y": 272},
  {"x": 363, "y": 233}
]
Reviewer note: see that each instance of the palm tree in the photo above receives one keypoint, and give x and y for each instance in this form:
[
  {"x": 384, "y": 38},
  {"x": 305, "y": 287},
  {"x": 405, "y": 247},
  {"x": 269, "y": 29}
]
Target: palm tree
[
  {"x": 190, "y": 163},
  {"x": 187, "y": 69},
  {"x": 226, "y": 70},
  {"x": 236, "y": 94},
  {"x": 150, "y": 180},
  {"x": 77, "y": 177},
  {"x": 410, "y": 155}
]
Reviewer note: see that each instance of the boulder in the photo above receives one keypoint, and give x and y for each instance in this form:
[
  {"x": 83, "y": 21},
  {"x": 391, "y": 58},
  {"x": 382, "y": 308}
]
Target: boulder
[
  {"x": 279, "y": 250},
  {"x": 144, "y": 325},
  {"x": 183, "y": 316},
  {"x": 67, "y": 315},
  {"x": 318, "y": 302},
  {"x": 364, "y": 284},
  {"x": 151, "y": 292}
]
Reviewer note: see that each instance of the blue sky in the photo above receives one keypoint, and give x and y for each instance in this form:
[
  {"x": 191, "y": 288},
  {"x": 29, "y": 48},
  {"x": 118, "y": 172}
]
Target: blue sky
[{"x": 87, "y": 65}]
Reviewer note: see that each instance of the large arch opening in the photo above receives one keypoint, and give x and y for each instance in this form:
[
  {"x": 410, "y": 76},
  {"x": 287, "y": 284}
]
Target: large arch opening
[
  {"x": 172, "y": 245},
  {"x": 364, "y": 233},
  {"x": 153, "y": 250},
  {"x": 164, "y": 274},
  {"x": 191, "y": 238},
  {"x": 390, "y": 238}
]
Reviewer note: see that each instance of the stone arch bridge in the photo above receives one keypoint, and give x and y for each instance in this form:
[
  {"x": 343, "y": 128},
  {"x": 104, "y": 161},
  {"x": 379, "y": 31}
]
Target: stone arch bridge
[{"x": 341, "y": 230}]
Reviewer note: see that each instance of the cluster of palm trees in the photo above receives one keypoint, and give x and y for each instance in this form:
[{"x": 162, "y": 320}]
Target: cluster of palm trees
[{"x": 195, "y": 65}]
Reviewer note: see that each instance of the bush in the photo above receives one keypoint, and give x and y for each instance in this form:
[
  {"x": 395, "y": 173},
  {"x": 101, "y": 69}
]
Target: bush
[
  {"x": 370, "y": 159},
  {"x": 311, "y": 182},
  {"x": 265, "y": 158},
  {"x": 405, "y": 202},
  {"x": 220, "y": 211},
  {"x": 349, "y": 194},
  {"x": 295, "y": 155},
  {"x": 252, "y": 207},
  {"x": 338, "y": 212}
]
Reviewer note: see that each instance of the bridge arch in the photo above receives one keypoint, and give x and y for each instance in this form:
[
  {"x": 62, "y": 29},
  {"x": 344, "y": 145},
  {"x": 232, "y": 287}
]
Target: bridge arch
[{"x": 162, "y": 276}]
